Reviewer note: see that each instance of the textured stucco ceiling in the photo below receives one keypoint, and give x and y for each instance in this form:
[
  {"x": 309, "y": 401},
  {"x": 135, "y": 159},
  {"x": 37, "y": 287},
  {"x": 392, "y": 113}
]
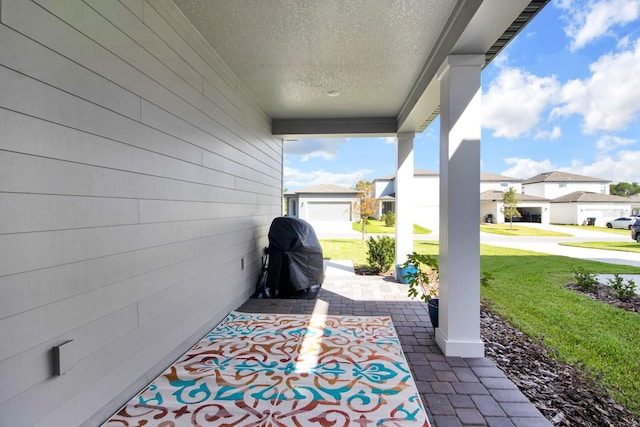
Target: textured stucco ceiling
[
  {"x": 290, "y": 53},
  {"x": 382, "y": 56}
]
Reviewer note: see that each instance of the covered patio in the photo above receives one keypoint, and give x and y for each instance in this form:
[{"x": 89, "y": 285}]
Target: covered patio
[
  {"x": 455, "y": 391},
  {"x": 141, "y": 163}
]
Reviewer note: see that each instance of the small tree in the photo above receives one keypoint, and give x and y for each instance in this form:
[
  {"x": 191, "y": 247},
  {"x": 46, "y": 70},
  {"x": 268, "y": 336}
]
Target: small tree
[
  {"x": 367, "y": 204},
  {"x": 510, "y": 205}
]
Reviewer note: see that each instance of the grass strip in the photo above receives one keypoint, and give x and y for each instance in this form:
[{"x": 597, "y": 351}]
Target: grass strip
[
  {"x": 519, "y": 230},
  {"x": 375, "y": 226},
  {"x": 594, "y": 228},
  {"x": 610, "y": 246},
  {"x": 602, "y": 340}
]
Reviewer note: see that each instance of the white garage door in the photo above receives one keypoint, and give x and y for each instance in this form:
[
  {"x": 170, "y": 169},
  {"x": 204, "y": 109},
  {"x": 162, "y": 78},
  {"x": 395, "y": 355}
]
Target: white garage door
[
  {"x": 604, "y": 214},
  {"x": 329, "y": 211}
]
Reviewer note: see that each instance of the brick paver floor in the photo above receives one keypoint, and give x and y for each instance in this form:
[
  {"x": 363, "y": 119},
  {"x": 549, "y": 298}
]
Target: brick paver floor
[{"x": 456, "y": 391}]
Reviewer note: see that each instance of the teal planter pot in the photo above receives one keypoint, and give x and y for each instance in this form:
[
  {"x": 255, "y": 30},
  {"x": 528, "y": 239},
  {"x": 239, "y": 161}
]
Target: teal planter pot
[{"x": 402, "y": 272}]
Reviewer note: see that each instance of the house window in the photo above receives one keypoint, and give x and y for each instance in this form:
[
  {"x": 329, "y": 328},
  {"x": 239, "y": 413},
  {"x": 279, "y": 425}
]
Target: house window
[
  {"x": 603, "y": 189},
  {"x": 504, "y": 184},
  {"x": 563, "y": 185},
  {"x": 294, "y": 207}
]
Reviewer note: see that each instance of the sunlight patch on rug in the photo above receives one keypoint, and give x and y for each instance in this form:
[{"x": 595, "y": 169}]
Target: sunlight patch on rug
[{"x": 284, "y": 370}]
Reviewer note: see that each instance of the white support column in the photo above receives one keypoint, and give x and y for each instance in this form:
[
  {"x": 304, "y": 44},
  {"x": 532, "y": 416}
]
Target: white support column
[
  {"x": 404, "y": 196},
  {"x": 459, "y": 308}
]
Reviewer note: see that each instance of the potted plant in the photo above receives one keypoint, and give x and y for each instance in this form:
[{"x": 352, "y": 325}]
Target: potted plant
[
  {"x": 424, "y": 281},
  {"x": 422, "y": 277}
]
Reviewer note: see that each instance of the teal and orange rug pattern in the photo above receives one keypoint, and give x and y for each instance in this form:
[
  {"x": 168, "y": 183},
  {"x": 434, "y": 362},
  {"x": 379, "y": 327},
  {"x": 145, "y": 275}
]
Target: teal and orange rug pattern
[{"x": 284, "y": 370}]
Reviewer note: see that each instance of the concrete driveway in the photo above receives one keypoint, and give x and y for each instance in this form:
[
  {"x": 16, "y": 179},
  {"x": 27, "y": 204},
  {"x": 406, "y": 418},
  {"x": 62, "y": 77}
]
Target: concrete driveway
[{"x": 545, "y": 244}]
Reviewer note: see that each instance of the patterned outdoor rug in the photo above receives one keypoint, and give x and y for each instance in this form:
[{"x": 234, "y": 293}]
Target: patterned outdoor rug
[{"x": 284, "y": 370}]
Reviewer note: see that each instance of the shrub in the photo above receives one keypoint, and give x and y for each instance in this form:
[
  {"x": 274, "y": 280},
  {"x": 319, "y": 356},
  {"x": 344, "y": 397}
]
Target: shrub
[
  {"x": 389, "y": 219},
  {"x": 621, "y": 290},
  {"x": 585, "y": 280},
  {"x": 381, "y": 252}
]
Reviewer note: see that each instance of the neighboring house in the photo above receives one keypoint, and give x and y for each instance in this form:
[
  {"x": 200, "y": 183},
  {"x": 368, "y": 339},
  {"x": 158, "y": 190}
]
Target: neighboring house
[
  {"x": 545, "y": 198},
  {"x": 579, "y": 206},
  {"x": 426, "y": 187},
  {"x": 491, "y": 181},
  {"x": 532, "y": 208},
  {"x": 556, "y": 184},
  {"x": 635, "y": 204},
  {"x": 325, "y": 202}
]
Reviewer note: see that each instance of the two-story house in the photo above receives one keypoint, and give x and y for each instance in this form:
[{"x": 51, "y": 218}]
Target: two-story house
[{"x": 577, "y": 199}]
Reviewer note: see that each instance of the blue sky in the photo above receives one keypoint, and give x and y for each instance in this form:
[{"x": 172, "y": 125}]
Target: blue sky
[{"x": 564, "y": 95}]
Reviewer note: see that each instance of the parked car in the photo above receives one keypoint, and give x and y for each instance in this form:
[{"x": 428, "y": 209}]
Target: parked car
[
  {"x": 623, "y": 222},
  {"x": 635, "y": 231}
]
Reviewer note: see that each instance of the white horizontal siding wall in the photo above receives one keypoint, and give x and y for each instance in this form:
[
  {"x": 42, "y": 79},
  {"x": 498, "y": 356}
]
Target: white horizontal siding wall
[
  {"x": 135, "y": 174},
  {"x": 426, "y": 201},
  {"x": 383, "y": 187},
  {"x": 552, "y": 190}
]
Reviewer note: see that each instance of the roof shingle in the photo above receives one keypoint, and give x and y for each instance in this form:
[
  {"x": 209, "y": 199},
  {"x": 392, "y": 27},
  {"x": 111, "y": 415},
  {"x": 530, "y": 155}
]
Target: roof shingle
[
  {"x": 557, "y": 176},
  {"x": 588, "y": 197}
]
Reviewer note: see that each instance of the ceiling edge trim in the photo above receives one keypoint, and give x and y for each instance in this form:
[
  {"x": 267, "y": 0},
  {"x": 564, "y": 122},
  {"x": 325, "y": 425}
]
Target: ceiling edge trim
[
  {"x": 460, "y": 16},
  {"x": 304, "y": 128}
]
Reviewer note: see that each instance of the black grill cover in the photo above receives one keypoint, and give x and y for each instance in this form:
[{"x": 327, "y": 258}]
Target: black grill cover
[{"x": 295, "y": 257}]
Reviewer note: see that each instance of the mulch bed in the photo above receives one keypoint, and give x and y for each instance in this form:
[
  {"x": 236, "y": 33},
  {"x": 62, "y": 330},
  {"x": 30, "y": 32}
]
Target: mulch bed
[
  {"x": 562, "y": 393},
  {"x": 601, "y": 293}
]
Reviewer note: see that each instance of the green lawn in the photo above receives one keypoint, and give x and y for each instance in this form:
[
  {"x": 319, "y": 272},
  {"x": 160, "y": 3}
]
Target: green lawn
[
  {"x": 528, "y": 291},
  {"x": 356, "y": 250},
  {"x": 593, "y": 228},
  {"x": 518, "y": 230},
  {"x": 629, "y": 246},
  {"x": 377, "y": 227}
]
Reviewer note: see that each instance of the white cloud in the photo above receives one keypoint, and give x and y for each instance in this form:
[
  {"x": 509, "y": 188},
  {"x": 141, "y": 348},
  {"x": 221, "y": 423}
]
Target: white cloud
[
  {"x": 296, "y": 179},
  {"x": 589, "y": 21},
  {"x": 611, "y": 142},
  {"x": 554, "y": 133},
  {"x": 622, "y": 166},
  {"x": 308, "y": 148},
  {"x": 608, "y": 100},
  {"x": 515, "y": 100},
  {"x": 526, "y": 168}
]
